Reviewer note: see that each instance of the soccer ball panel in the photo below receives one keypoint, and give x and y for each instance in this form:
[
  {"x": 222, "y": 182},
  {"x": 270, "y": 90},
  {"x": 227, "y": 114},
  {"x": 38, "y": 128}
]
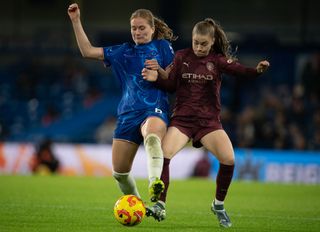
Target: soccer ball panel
[{"x": 129, "y": 210}]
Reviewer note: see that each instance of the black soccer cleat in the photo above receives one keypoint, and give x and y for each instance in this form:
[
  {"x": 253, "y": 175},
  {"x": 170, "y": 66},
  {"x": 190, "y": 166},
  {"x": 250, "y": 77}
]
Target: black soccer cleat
[
  {"x": 222, "y": 215},
  {"x": 157, "y": 211}
]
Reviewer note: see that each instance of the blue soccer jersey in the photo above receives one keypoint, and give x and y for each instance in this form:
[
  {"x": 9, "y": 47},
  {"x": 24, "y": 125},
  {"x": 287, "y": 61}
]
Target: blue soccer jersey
[{"x": 127, "y": 61}]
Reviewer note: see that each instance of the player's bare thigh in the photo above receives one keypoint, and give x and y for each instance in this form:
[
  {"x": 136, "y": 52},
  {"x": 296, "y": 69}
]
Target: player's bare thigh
[
  {"x": 123, "y": 153},
  {"x": 154, "y": 125},
  {"x": 219, "y": 144},
  {"x": 173, "y": 142}
]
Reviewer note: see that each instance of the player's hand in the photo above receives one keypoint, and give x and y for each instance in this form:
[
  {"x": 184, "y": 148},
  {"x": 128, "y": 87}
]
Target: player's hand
[
  {"x": 74, "y": 11},
  {"x": 262, "y": 66},
  {"x": 149, "y": 75},
  {"x": 152, "y": 64}
]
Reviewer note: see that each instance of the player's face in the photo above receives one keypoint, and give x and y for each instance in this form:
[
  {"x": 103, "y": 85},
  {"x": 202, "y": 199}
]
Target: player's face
[
  {"x": 141, "y": 30},
  {"x": 201, "y": 44}
]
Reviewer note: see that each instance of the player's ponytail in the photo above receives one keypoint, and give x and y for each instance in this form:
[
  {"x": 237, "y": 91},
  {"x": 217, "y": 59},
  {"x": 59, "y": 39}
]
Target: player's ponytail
[
  {"x": 210, "y": 27},
  {"x": 162, "y": 30}
]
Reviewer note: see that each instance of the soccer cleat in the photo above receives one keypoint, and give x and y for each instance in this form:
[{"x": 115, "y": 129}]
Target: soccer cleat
[
  {"x": 155, "y": 189},
  {"x": 157, "y": 211},
  {"x": 222, "y": 215}
]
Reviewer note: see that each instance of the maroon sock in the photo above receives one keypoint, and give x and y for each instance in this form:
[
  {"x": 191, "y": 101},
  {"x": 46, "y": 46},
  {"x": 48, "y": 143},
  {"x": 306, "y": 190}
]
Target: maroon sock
[
  {"x": 223, "y": 181},
  {"x": 165, "y": 177}
]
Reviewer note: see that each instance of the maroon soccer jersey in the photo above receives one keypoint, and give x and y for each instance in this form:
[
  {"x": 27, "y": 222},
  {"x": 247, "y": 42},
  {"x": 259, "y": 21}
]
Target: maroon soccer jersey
[{"x": 197, "y": 82}]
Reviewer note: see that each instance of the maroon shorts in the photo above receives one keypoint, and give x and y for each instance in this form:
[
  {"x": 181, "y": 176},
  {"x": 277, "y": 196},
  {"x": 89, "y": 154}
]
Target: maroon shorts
[{"x": 195, "y": 128}]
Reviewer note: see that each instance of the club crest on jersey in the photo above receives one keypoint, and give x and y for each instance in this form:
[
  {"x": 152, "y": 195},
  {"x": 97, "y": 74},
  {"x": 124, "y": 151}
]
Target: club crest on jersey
[
  {"x": 210, "y": 66},
  {"x": 229, "y": 61}
]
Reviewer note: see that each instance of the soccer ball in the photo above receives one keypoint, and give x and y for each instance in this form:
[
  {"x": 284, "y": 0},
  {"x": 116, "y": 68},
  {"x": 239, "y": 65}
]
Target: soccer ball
[{"x": 129, "y": 210}]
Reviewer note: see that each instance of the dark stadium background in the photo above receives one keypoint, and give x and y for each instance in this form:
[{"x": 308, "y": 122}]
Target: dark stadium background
[
  {"x": 47, "y": 90},
  {"x": 52, "y": 101}
]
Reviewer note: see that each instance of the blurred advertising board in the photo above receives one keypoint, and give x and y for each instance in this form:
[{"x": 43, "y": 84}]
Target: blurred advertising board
[
  {"x": 96, "y": 160},
  {"x": 89, "y": 160},
  {"x": 275, "y": 166}
]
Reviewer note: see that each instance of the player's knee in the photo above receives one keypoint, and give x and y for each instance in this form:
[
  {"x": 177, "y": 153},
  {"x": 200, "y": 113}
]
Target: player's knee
[
  {"x": 168, "y": 151},
  {"x": 226, "y": 159}
]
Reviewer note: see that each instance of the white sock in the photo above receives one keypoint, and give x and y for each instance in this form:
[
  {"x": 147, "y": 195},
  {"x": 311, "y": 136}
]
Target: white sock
[
  {"x": 126, "y": 183},
  {"x": 152, "y": 144},
  {"x": 217, "y": 202}
]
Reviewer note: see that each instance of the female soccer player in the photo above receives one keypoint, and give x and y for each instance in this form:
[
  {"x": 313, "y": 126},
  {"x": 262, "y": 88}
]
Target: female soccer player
[
  {"x": 196, "y": 78},
  {"x": 142, "y": 111}
]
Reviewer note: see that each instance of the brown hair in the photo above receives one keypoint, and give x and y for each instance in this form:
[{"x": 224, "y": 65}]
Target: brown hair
[
  {"x": 162, "y": 30},
  {"x": 213, "y": 29}
]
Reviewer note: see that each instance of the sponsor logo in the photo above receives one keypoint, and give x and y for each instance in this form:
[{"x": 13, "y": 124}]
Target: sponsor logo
[{"x": 193, "y": 76}]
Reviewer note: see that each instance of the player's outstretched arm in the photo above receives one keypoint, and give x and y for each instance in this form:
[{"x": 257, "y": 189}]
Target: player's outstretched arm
[
  {"x": 262, "y": 66},
  {"x": 86, "y": 49}
]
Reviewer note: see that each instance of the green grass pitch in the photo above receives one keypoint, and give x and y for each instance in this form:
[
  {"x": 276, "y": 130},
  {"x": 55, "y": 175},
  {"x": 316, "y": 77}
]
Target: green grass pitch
[{"x": 58, "y": 203}]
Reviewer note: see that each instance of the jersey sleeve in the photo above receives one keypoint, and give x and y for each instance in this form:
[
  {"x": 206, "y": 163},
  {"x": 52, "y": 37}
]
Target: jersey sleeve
[
  {"x": 170, "y": 84},
  {"x": 166, "y": 52},
  {"x": 112, "y": 53},
  {"x": 235, "y": 68},
  {"x": 167, "y": 85}
]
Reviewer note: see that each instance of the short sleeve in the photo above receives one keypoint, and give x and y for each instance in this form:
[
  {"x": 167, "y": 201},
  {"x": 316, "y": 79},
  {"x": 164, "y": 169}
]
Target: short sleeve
[
  {"x": 167, "y": 53},
  {"x": 176, "y": 65},
  {"x": 171, "y": 83},
  {"x": 112, "y": 53}
]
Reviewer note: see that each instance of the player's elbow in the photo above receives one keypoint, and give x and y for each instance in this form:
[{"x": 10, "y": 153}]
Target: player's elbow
[
  {"x": 86, "y": 53},
  {"x": 92, "y": 53}
]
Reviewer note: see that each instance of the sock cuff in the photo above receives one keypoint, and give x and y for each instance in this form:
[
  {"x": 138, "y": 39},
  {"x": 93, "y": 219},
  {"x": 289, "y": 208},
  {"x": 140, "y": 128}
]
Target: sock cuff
[
  {"x": 114, "y": 173},
  {"x": 217, "y": 202},
  {"x": 166, "y": 161},
  {"x": 226, "y": 167}
]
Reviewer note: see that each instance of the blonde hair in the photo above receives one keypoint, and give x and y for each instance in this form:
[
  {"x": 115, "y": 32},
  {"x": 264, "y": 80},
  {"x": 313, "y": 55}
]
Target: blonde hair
[
  {"x": 161, "y": 29},
  {"x": 209, "y": 27}
]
